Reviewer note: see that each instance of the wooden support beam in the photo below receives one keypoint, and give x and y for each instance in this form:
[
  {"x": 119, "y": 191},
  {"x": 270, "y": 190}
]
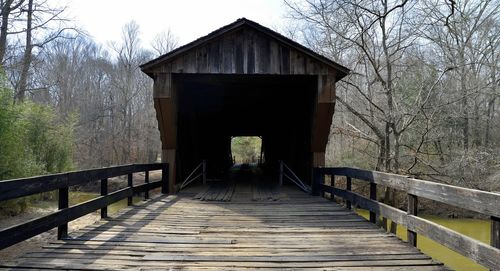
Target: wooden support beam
[
  {"x": 130, "y": 183},
  {"x": 165, "y": 177},
  {"x": 332, "y": 183},
  {"x": 63, "y": 203},
  {"x": 319, "y": 159},
  {"x": 146, "y": 180},
  {"x": 348, "y": 188},
  {"x": 104, "y": 192},
  {"x": 168, "y": 156},
  {"x": 162, "y": 87},
  {"x": 495, "y": 231},
  {"x": 412, "y": 210},
  {"x": 318, "y": 180},
  {"x": 373, "y": 196},
  {"x": 323, "y": 113}
]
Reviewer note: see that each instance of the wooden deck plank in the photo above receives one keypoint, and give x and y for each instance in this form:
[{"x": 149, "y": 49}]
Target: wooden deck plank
[{"x": 243, "y": 229}]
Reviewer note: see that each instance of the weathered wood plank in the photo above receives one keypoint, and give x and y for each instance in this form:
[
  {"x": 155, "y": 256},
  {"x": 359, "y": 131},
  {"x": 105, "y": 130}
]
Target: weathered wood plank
[
  {"x": 177, "y": 232},
  {"x": 471, "y": 248},
  {"x": 285, "y": 60},
  {"x": 479, "y": 252}
]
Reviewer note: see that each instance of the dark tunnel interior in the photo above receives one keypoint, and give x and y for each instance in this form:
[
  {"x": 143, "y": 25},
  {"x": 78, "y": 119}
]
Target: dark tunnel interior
[{"x": 213, "y": 108}]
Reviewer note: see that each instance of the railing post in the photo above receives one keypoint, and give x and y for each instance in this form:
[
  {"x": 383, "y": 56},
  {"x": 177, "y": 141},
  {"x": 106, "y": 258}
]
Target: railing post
[
  {"x": 332, "y": 183},
  {"x": 373, "y": 196},
  {"x": 204, "y": 171},
  {"x": 63, "y": 203},
  {"x": 146, "y": 180},
  {"x": 104, "y": 192},
  {"x": 164, "y": 179},
  {"x": 348, "y": 188},
  {"x": 412, "y": 210},
  {"x": 317, "y": 182},
  {"x": 495, "y": 231},
  {"x": 130, "y": 182},
  {"x": 281, "y": 173}
]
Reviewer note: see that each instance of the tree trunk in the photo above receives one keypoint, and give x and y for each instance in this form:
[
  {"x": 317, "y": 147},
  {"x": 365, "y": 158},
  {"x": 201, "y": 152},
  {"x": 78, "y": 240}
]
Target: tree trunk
[
  {"x": 465, "y": 112},
  {"x": 381, "y": 155},
  {"x": 6, "y": 9},
  {"x": 489, "y": 118},
  {"x": 491, "y": 104},
  {"x": 23, "y": 80}
]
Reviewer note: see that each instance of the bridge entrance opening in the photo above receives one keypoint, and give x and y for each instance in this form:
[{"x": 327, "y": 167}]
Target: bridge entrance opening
[
  {"x": 212, "y": 109},
  {"x": 247, "y": 150}
]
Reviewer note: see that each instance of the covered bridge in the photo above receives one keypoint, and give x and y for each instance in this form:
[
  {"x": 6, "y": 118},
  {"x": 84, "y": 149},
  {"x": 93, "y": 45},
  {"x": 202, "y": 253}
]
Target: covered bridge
[{"x": 243, "y": 80}]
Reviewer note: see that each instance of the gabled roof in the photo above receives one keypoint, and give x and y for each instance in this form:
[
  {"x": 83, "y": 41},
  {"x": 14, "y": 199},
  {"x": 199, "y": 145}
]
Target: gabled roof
[{"x": 242, "y": 22}]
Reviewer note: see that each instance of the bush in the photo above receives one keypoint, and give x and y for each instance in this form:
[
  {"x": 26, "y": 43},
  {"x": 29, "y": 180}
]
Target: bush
[{"x": 33, "y": 141}]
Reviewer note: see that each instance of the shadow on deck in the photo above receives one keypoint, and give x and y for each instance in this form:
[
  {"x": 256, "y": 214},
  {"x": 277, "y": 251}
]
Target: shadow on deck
[{"x": 295, "y": 231}]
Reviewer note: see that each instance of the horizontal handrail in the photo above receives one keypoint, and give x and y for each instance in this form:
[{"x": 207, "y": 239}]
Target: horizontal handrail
[
  {"x": 66, "y": 213},
  {"x": 483, "y": 202},
  {"x": 16, "y": 188}
]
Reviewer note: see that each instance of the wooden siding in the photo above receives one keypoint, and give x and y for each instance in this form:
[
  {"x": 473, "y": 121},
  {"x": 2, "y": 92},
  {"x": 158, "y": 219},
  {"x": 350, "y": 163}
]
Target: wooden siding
[{"x": 244, "y": 51}]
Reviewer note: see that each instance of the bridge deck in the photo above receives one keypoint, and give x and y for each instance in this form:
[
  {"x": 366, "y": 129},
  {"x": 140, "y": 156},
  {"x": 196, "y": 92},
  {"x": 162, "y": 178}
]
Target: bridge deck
[{"x": 291, "y": 231}]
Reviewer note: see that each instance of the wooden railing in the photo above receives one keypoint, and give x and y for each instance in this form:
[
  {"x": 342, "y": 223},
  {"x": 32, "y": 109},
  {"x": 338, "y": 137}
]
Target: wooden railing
[
  {"x": 12, "y": 189},
  {"x": 482, "y": 202}
]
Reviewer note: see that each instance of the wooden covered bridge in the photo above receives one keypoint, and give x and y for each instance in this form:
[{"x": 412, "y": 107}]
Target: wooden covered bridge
[{"x": 243, "y": 79}]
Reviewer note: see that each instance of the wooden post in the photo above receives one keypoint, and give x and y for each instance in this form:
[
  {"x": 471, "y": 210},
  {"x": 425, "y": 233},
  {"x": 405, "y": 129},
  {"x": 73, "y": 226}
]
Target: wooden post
[
  {"x": 204, "y": 171},
  {"x": 146, "y": 180},
  {"x": 348, "y": 188},
  {"x": 317, "y": 182},
  {"x": 332, "y": 183},
  {"x": 373, "y": 196},
  {"x": 281, "y": 172},
  {"x": 104, "y": 192},
  {"x": 130, "y": 184},
  {"x": 495, "y": 232},
  {"x": 168, "y": 157},
  {"x": 63, "y": 202},
  {"x": 412, "y": 210},
  {"x": 164, "y": 178}
]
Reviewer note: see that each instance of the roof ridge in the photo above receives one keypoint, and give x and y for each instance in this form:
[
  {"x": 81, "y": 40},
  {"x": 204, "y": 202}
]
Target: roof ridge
[{"x": 256, "y": 26}]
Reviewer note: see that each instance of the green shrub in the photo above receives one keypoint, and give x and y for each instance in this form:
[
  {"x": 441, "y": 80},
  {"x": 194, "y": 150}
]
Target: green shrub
[{"x": 33, "y": 141}]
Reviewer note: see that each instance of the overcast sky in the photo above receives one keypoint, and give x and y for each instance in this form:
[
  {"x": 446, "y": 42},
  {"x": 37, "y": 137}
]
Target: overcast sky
[{"x": 188, "y": 19}]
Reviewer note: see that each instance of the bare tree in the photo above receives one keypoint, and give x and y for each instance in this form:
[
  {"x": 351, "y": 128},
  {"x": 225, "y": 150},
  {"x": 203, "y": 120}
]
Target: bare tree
[
  {"x": 43, "y": 24},
  {"x": 424, "y": 80},
  {"x": 164, "y": 42},
  {"x": 26, "y": 60},
  {"x": 7, "y": 7}
]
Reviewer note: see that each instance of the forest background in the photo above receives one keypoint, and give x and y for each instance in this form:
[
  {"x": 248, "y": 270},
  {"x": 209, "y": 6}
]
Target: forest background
[{"x": 422, "y": 99}]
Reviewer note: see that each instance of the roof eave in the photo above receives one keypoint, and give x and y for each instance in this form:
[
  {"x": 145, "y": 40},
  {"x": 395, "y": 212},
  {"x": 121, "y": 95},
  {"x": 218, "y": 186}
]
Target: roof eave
[{"x": 148, "y": 67}]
